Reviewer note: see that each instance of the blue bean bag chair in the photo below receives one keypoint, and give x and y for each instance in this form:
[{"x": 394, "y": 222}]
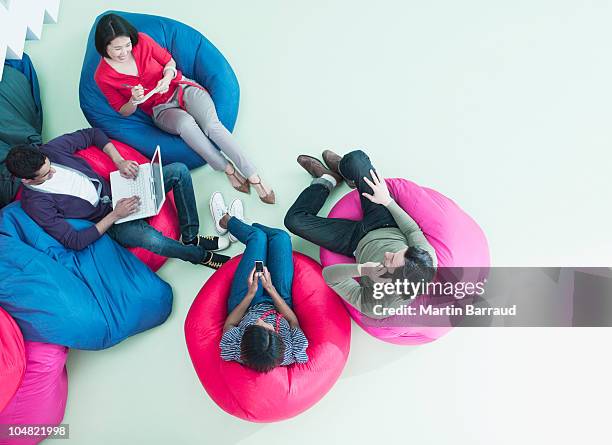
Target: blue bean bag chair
[
  {"x": 88, "y": 299},
  {"x": 27, "y": 68},
  {"x": 20, "y": 117},
  {"x": 195, "y": 56}
]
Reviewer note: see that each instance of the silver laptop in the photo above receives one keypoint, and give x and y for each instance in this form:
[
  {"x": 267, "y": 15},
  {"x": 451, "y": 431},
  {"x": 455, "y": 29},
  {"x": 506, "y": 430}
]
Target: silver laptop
[{"x": 148, "y": 186}]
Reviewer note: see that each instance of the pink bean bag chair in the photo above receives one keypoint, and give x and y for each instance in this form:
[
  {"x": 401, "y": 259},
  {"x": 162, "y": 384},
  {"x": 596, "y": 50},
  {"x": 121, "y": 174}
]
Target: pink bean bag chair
[
  {"x": 285, "y": 391},
  {"x": 41, "y": 398},
  {"x": 456, "y": 237},
  {"x": 167, "y": 219},
  {"x": 12, "y": 358}
]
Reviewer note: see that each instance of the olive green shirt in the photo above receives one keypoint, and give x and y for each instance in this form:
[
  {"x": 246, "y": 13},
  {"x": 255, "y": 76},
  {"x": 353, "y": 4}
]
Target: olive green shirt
[{"x": 372, "y": 248}]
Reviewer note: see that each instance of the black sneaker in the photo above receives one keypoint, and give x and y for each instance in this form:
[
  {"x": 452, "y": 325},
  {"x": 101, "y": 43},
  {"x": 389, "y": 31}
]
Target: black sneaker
[
  {"x": 212, "y": 243},
  {"x": 214, "y": 260}
]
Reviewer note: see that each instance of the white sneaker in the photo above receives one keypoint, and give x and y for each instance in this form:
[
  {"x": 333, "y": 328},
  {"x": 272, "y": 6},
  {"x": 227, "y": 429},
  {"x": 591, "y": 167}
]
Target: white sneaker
[
  {"x": 236, "y": 209},
  {"x": 223, "y": 243},
  {"x": 217, "y": 210}
]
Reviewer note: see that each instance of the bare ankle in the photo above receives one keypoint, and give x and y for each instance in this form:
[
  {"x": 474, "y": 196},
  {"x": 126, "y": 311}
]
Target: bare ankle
[{"x": 224, "y": 220}]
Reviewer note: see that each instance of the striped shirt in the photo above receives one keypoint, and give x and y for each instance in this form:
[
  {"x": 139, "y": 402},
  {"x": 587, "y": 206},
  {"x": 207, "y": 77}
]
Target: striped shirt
[{"x": 294, "y": 339}]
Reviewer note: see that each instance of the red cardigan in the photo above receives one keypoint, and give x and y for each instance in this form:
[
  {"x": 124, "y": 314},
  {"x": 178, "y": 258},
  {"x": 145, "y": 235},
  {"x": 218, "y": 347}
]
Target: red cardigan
[{"x": 150, "y": 61}]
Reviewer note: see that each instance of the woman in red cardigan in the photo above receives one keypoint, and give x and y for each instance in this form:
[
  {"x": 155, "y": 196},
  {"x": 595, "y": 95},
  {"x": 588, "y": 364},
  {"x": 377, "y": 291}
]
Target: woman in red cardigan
[{"x": 136, "y": 72}]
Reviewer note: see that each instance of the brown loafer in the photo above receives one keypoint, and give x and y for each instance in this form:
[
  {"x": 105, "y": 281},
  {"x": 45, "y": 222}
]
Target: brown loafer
[
  {"x": 332, "y": 160},
  {"x": 316, "y": 168}
]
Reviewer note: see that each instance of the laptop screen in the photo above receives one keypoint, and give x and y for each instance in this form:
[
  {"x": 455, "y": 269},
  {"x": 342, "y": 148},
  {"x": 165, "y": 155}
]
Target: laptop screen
[{"x": 158, "y": 179}]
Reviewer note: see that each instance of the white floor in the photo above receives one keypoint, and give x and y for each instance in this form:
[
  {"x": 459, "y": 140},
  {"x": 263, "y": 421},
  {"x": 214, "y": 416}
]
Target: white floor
[{"x": 503, "y": 106}]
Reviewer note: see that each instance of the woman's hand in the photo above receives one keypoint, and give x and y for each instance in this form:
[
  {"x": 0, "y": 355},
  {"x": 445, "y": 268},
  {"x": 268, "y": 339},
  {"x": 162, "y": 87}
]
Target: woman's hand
[
  {"x": 253, "y": 281},
  {"x": 163, "y": 84},
  {"x": 127, "y": 169},
  {"x": 381, "y": 193},
  {"x": 266, "y": 280},
  {"x": 137, "y": 93}
]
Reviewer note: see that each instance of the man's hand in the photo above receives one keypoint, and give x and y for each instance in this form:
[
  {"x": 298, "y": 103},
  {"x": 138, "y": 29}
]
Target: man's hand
[
  {"x": 126, "y": 206},
  {"x": 374, "y": 271},
  {"x": 381, "y": 193},
  {"x": 127, "y": 169}
]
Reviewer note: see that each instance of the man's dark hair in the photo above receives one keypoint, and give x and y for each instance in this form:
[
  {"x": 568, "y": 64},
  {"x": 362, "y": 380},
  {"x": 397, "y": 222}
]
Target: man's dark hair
[
  {"x": 261, "y": 349},
  {"x": 110, "y": 27},
  {"x": 24, "y": 161},
  {"x": 418, "y": 267}
]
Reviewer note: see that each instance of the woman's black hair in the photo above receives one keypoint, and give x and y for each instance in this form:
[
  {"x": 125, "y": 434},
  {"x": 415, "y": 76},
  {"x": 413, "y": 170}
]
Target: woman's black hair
[
  {"x": 110, "y": 27},
  {"x": 23, "y": 161},
  {"x": 261, "y": 349}
]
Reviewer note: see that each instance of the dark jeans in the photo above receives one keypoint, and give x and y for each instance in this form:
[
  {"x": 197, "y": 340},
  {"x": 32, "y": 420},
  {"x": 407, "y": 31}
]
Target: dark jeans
[
  {"x": 337, "y": 234},
  {"x": 273, "y": 247},
  {"x": 139, "y": 233}
]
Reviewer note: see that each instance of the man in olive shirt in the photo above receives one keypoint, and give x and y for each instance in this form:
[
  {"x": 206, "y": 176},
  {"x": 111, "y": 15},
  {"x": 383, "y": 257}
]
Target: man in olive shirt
[{"x": 387, "y": 238}]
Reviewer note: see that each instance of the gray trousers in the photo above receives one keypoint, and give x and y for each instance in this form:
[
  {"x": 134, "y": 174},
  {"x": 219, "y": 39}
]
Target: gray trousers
[{"x": 199, "y": 126}]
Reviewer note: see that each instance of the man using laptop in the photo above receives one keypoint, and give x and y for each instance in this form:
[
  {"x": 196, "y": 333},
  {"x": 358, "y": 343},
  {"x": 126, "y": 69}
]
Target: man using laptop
[
  {"x": 148, "y": 185},
  {"x": 59, "y": 185}
]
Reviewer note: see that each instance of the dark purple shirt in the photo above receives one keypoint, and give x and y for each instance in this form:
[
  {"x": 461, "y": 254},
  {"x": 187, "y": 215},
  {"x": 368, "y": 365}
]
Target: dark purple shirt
[{"x": 50, "y": 210}]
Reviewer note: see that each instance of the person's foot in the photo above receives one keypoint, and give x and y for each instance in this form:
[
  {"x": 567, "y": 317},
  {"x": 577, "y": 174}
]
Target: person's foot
[
  {"x": 332, "y": 160},
  {"x": 217, "y": 210},
  {"x": 213, "y": 243},
  {"x": 237, "y": 181},
  {"x": 236, "y": 209},
  {"x": 316, "y": 168},
  {"x": 224, "y": 221},
  {"x": 214, "y": 260},
  {"x": 265, "y": 194}
]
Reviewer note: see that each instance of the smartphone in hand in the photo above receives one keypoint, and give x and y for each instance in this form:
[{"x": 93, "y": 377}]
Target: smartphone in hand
[{"x": 259, "y": 267}]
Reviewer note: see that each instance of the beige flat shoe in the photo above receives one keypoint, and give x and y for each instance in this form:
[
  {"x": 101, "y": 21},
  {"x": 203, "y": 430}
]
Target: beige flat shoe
[
  {"x": 264, "y": 196},
  {"x": 239, "y": 182}
]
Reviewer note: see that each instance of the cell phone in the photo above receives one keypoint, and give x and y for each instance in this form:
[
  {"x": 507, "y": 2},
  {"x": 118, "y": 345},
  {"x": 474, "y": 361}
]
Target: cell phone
[{"x": 259, "y": 267}]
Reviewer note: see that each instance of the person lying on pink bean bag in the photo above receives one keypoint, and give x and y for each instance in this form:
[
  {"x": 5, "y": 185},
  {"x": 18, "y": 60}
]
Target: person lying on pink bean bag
[
  {"x": 284, "y": 391},
  {"x": 385, "y": 225}
]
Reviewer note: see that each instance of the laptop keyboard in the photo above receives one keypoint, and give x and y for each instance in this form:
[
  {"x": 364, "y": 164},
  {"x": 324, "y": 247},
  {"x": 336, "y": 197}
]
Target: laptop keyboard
[{"x": 142, "y": 187}]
